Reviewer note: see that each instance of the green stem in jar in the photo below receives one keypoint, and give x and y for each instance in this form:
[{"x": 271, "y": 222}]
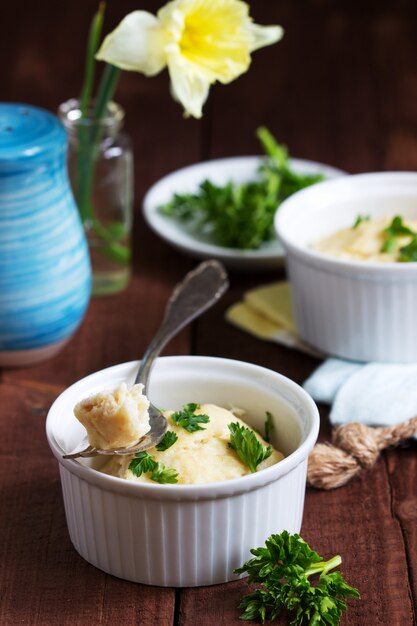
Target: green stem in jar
[
  {"x": 106, "y": 91},
  {"x": 89, "y": 137},
  {"x": 83, "y": 128},
  {"x": 90, "y": 63},
  {"x": 113, "y": 250}
]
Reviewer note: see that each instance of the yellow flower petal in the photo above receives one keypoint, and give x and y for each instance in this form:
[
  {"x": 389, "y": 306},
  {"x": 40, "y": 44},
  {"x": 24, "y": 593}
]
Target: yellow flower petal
[
  {"x": 215, "y": 36},
  {"x": 264, "y": 35},
  {"x": 201, "y": 42},
  {"x": 136, "y": 44},
  {"x": 188, "y": 87}
]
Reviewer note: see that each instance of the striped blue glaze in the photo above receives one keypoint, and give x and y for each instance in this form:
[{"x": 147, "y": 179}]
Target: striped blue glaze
[{"x": 45, "y": 276}]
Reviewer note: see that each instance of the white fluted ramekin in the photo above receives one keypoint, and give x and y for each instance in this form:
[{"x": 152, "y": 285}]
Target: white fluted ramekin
[
  {"x": 353, "y": 309},
  {"x": 186, "y": 535}
]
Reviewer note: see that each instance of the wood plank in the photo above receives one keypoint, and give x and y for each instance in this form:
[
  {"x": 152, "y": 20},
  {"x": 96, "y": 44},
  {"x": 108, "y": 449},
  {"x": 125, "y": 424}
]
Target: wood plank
[
  {"x": 117, "y": 328},
  {"x": 315, "y": 92},
  {"x": 402, "y": 468},
  {"x": 37, "y": 558},
  {"x": 340, "y": 66},
  {"x": 355, "y": 521}
]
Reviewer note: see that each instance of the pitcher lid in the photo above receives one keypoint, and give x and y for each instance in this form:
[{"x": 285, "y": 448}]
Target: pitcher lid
[{"x": 28, "y": 132}]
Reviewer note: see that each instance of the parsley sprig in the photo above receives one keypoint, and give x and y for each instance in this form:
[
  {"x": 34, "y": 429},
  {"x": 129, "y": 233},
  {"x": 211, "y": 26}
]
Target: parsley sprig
[
  {"x": 397, "y": 228},
  {"x": 167, "y": 441},
  {"x": 359, "y": 220},
  {"x": 188, "y": 419},
  {"x": 144, "y": 463},
  {"x": 408, "y": 253},
  {"x": 284, "y": 568},
  {"x": 249, "y": 449},
  {"x": 241, "y": 215},
  {"x": 269, "y": 426}
]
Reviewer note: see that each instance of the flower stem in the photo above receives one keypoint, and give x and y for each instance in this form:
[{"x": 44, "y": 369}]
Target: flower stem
[
  {"x": 87, "y": 155},
  {"x": 106, "y": 90},
  {"x": 92, "y": 46},
  {"x": 85, "y": 99},
  {"x": 112, "y": 249},
  {"x": 88, "y": 146},
  {"x": 89, "y": 138}
]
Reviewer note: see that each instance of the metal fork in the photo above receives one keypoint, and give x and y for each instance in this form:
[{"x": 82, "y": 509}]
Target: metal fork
[{"x": 198, "y": 291}]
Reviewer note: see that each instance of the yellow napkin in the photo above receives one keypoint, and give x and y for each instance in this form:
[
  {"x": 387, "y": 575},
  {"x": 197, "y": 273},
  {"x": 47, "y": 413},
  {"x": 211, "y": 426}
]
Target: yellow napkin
[{"x": 266, "y": 313}]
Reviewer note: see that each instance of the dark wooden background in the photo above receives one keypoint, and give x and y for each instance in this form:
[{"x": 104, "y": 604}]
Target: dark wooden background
[{"x": 340, "y": 88}]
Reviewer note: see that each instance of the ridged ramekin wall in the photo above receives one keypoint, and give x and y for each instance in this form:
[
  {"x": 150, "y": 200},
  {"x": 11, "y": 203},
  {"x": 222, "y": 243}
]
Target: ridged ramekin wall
[
  {"x": 187, "y": 535},
  {"x": 356, "y": 309}
]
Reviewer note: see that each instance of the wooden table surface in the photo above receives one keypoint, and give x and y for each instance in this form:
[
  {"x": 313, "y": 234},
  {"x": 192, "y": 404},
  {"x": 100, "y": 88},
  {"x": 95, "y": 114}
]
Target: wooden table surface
[{"x": 341, "y": 88}]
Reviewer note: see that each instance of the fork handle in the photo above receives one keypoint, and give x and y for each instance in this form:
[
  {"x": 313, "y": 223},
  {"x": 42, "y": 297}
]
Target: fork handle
[{"x": 196, "y": 293}]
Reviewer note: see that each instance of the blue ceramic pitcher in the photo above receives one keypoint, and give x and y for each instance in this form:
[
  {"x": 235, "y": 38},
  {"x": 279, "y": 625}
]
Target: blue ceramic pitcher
[{"x": 45, "y": 275}]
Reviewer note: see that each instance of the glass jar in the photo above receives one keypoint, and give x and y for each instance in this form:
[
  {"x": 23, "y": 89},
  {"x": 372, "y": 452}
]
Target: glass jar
[{"x": 100, "y": 167}]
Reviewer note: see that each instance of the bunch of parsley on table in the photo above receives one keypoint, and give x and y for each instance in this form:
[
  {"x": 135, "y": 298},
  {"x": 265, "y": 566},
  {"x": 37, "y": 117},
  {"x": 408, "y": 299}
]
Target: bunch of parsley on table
[
  {"x": 284, "y": 568},
  {"x": 241, "y": 215}
]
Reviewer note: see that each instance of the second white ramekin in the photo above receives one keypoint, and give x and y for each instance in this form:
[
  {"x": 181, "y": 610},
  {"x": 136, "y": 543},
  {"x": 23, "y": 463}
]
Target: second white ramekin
[
  {"x": 186, "y": 535},
  {"x": 358, "y": 310}
]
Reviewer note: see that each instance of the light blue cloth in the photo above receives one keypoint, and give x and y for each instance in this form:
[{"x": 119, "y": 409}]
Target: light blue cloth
[{"x": 377, "y": 394}]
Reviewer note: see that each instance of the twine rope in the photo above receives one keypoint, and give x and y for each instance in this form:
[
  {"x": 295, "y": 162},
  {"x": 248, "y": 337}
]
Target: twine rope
[{"x": 354, "y": 447}]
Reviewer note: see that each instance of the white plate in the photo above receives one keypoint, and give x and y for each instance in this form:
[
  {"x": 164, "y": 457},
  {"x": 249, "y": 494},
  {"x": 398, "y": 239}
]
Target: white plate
[{"x": 220, "y": 171}]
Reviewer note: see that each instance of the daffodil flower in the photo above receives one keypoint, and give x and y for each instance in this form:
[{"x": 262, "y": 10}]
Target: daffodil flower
[{"x": 199, "y": 41}]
